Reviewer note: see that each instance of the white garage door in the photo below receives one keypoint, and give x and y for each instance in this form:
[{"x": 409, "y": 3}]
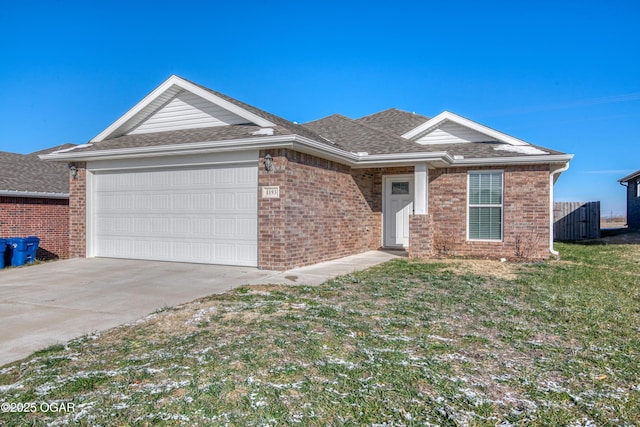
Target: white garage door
[{"x": 202, "y": 215}]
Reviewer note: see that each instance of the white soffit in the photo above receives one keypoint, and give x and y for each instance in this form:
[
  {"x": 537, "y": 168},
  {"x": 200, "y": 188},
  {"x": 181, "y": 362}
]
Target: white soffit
[
  {"x": 447, "y": 128},
  {"x": 202, "y": 108}
]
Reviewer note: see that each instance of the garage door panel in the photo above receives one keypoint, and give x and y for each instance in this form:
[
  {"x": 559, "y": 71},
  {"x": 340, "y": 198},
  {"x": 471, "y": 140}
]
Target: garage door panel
[
  {"x": 206, "y": 215},
  {"x": 246, "y": 228}
]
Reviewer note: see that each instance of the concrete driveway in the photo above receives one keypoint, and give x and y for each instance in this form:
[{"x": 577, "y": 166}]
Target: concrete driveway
[{"x": 49, "y": 303}]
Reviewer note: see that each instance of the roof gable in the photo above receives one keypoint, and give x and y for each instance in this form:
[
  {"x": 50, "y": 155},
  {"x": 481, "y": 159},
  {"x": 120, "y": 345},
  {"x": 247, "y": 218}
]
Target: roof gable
[
  {"x": 452, "y": 133},
  {"x": 187, "y": 111},
  {"x": 180, "y": 104},
  {"x": 450, "y": 128}
]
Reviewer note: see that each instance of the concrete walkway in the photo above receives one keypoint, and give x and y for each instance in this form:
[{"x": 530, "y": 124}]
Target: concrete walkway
[{"x": 50, "y": 303}]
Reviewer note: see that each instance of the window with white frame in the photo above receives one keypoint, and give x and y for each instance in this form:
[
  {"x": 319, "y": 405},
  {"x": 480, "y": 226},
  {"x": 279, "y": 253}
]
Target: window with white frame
[
  {"x": 484, "y": 198},
  {"x": 638, "y": 188}
]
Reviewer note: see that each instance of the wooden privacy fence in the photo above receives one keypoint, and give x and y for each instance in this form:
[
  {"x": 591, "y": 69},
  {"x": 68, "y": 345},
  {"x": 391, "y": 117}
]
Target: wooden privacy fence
[{"x": 576, "y": 220}]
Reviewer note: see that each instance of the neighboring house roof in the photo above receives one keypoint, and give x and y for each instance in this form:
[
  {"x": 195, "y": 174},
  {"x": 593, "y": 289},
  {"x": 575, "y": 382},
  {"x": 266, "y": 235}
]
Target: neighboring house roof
[
  {"x": 394, "y": 121},
  {"x": 181, "y": 117},
  {"x": 25, "y": 175},
  {"x": 636, "y": 174}
]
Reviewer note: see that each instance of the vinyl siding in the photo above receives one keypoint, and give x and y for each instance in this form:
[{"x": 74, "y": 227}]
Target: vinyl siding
[
  {"x": 452, "y": 133},
  {"x": 187, "y": 111}
]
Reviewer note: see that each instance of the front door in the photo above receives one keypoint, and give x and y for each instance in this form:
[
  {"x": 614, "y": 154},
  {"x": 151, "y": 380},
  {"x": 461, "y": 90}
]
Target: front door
[{"x": 398, "y": 204}]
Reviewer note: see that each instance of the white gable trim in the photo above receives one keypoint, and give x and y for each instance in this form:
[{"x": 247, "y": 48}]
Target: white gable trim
[
  {"x": 447, "y": 116},
  {"x": 172, "y": 86}
]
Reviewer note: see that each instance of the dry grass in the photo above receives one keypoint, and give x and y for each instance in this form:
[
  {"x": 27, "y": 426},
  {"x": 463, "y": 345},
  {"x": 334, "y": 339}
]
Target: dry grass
[
  {"x": 480, "y": 267},
  {"x": 438, "y": 342}
]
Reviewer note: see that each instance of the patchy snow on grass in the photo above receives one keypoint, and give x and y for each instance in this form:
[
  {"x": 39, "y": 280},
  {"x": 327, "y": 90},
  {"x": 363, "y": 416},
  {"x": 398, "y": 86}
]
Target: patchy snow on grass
[
  {"x": 439, "y": 338},
  {"x": 14, "y": 386},
  {"x": 163, "y": 387},
  {"x": 256, "y": 402},
  {"x": 584, "y": 422},
  {"x": 334, "y": 361},
  {"x": 164, "y": 417},
  {"x": 451, "y": 356},
  {"x": 201, "y": 316}
]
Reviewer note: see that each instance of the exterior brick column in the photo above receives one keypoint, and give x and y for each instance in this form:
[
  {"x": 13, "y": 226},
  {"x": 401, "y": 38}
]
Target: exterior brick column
[
  {"x": 272, "y": 242},
  {"x": 78, "y": 213},
  {"x": 420, "y": 236}
]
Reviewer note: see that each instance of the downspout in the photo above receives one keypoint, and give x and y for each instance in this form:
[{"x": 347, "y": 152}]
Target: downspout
[{"x": 551, "y": 182}]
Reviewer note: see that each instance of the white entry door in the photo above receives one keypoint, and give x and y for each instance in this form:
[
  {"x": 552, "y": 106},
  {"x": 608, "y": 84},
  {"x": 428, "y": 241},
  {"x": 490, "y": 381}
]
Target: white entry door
[{"x": 398, "y": 204}]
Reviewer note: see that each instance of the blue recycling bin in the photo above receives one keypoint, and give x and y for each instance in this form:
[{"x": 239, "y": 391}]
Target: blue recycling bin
[
  {"x": 22, "y": 250},
  {"x": 3, "y": 248}
]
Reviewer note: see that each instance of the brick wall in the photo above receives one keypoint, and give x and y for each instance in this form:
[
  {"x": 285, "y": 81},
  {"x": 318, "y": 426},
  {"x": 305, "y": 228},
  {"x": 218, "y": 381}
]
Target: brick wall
[
  {"x": 324, "y": 212},
  {"x": 78, "y": 213},
  {"x": 526, "y": 213},
  {"x": 47, "y": 219},
  {"x": 327, "y": 211},
  {"x": 420, "y": 236},
  {"x": 272, "y": 234}
]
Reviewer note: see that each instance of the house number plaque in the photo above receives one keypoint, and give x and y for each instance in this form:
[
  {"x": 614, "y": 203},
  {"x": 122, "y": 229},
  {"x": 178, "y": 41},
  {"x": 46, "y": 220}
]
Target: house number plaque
[{"x": 271, "y": 192}]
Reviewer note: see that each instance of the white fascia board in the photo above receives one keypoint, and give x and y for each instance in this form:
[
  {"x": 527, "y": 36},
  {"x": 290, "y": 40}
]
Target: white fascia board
[
  {"x": 520, "y": 160},
  {"x": 403, "y": 159},
  {"x": 306, "y": 145},
  {"x": 174, "y": 149},
  {"x": 182, "y": 84},
  {"x": 365, "y": 160},
  {"x": 34, "y": 194},
  {"x": 452, "y": 117}
]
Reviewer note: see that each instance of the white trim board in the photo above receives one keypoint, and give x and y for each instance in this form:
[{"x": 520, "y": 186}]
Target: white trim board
[
  {"x": 162, "y": 94},
  {"x": 447, "y": 116}
]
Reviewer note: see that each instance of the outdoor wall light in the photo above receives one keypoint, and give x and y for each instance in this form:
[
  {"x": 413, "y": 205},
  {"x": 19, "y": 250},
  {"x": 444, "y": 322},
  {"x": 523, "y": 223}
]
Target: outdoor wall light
[
  {"x": 74, "y": 171},
  {"x": 268, "y": 163}
]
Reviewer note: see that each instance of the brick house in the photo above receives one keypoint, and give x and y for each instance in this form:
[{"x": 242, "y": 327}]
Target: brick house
[
  {"x": 632, "y": 183},
  {"x": 34, "y": 201},
  {"x": 192, "y": 175}
]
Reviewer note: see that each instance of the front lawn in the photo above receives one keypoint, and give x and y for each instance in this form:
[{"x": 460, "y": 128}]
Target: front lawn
[{"x": 449, "y": 342}]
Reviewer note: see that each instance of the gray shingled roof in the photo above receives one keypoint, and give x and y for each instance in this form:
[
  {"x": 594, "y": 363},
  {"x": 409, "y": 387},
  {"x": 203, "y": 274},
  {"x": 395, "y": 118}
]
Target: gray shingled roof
[
  {"x": 293, "y": 128},
  {"x": 393, "y": 121},
  {"x": 378, "y": 133},
  {"x": 27, "y": 173},
  {"x": 183, "y": 136},
  {"x": 357, "y": 136}
]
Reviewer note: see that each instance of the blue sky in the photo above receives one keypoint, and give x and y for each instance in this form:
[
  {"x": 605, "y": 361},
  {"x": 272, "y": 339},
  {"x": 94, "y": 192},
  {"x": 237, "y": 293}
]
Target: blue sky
[{"x": 561, "y": 74}]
